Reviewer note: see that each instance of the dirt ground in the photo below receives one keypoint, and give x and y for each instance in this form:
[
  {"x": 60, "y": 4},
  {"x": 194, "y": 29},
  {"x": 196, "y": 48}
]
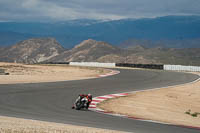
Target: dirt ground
[
  {"x": 16, "y": 125},
  {"x": 20, "y": 73},
  {"x": 176, "y": 105}
]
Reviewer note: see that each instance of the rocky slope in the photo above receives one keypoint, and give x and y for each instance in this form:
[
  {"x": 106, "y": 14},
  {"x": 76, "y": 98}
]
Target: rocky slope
[
  {"x": 31, "y": 51},
  {"x": 88, "y": 50},
  {"x": 48, "y": 50},
  {"x": 91, "y": 50}
]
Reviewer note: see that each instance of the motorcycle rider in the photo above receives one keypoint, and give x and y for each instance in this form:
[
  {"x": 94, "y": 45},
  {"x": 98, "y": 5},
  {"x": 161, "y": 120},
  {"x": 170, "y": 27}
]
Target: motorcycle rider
[
  {"x": 89, "y": 97},
  {"x": 81, "y": 96}
]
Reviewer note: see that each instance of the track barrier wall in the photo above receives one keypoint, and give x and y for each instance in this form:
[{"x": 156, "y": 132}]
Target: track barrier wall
[
  {"x": 147, "y": 66},
  {"x": 182, "y": 68},
  {"x": 54, "y": 63},
  {"x": 92, "y": 64}
]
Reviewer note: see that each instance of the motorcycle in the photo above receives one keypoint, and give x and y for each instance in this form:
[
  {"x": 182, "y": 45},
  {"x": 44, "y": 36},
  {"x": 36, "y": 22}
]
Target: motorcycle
[{"x": 81, "y": 104}]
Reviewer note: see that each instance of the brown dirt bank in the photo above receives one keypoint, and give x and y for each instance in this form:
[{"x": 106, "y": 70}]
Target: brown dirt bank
[
  {"x": 166, "y": 105},
  {"x": 21, "y": 73}
]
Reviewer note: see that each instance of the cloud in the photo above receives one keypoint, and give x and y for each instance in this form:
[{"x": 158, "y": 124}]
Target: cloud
[{"x": 58, "y": 10}]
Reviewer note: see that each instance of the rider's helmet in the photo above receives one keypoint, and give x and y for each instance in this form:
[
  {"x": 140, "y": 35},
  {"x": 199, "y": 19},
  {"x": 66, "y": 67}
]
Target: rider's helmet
[{"x": 90, "y": 96}]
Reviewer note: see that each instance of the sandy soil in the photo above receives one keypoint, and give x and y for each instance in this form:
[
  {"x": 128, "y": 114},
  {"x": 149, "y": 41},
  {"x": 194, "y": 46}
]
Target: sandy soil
[
  {"x": 166, "y": 105},
  {"x": 16, "y": 125},
  {"x": 20, "y": 73}
]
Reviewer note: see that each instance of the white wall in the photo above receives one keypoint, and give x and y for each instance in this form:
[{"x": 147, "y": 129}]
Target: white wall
[
  {"x": 182, "y": 68},
  {"x": 92, "y": 64}
]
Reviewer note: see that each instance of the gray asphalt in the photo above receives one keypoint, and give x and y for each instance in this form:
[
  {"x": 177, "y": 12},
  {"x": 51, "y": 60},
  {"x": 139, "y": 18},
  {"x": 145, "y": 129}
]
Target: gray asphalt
[{"x": 53, "y": 101}]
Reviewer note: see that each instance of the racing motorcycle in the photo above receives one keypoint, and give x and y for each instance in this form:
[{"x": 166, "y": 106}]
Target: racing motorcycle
[{"x": 81, "y": 104}]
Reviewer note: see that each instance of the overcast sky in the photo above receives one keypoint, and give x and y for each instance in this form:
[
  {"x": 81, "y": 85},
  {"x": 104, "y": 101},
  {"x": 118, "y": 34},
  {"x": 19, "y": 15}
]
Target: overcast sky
[{"x": 60, "y": 10}]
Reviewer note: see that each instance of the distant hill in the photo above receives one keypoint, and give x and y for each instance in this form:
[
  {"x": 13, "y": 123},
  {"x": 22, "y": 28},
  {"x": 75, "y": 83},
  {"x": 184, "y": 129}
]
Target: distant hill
[
  {"x": 31, "y": 51},
  {"x": 174, "y": 56},
  {"x": 184, "y": 43},
  {"x": 49, "y": 50},
  {"x": 91, "y": 50},
  {"x": 88, "y": 50},
  {"x": 168, "y": 31},
  {"x": 98, "y": 51}
]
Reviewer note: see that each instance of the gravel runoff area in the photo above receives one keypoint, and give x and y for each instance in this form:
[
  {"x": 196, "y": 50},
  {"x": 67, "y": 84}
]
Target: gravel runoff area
[
  {"x": 179, "y": 105},
  {"x": 21, "y": 73}
]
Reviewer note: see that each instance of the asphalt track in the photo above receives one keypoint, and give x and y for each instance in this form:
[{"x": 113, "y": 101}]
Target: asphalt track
[{"x": 52, "y": 101}]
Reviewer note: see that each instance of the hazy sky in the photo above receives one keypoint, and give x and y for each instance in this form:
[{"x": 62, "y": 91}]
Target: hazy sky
[{"x": 60, "y": 10}]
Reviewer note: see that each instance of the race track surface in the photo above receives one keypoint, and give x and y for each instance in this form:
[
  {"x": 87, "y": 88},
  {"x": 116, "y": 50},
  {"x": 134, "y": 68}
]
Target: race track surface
[{"x": 53, "y": 101}]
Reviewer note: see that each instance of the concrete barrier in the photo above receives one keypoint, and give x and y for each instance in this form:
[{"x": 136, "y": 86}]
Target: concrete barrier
[
  {"x": 53, "y": 63},
  {"x": 182, "y": 68},
  {"x": 147, "y": 66},
  {"x": 92, "y": 64}
]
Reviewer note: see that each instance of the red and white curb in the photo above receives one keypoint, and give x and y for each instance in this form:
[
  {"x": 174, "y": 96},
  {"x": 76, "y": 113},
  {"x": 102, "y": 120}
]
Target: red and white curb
[
  {"x": 113, "y": 72},
  {"x": 99, "y": 99}
]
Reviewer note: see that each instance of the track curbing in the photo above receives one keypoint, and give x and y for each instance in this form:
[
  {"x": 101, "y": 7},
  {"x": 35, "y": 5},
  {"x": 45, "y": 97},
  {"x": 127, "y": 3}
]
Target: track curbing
[{"x": 113, "y": 72}]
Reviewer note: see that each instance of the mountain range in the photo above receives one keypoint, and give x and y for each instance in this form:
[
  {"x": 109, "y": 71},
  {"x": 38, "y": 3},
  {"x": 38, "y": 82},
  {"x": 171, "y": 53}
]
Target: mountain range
[
  {"x": 31, "y": 51},
  {"x": 38, "y": 50},
  {"x": 167, "y": 31}
]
